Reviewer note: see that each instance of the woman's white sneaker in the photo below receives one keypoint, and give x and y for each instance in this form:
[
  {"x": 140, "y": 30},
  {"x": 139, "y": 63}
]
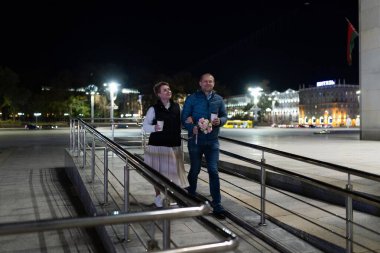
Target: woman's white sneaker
[{"x": 158, "y": 201}]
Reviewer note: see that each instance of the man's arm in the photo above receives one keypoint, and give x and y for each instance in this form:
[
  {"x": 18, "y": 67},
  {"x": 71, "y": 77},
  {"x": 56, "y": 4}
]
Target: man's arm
[{"x": 222, "y": 114}]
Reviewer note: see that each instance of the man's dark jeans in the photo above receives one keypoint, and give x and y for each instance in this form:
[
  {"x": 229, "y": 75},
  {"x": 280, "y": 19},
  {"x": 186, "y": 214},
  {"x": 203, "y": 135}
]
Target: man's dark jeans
[{"x": 211, "y": 152}]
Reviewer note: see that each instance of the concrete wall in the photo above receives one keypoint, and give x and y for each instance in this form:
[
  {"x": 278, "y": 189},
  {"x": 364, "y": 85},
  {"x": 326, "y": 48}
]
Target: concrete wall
[{"x": 369, "y": 53}]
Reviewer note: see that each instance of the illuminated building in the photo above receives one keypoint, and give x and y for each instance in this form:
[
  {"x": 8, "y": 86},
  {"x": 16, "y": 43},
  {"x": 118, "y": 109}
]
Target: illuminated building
[
  {"x": 329, "y": 104},
  {"x": 284, "y": 106},
  {"x": 237, "y": 105}
]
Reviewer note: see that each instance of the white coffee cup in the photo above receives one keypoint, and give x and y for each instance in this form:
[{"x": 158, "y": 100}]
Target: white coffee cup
[
  {"x": 160, "y": 124},
  {"x": 213, "y": 116}
]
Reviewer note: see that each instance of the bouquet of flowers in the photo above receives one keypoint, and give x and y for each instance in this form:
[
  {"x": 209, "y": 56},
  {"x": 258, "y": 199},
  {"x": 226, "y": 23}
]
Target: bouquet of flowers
[{"x": 205, "y": 126}]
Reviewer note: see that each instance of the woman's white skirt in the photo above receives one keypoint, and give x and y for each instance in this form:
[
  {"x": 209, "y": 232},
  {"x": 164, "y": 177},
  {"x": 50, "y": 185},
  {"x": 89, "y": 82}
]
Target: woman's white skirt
[{"x": 169, "y": 162}]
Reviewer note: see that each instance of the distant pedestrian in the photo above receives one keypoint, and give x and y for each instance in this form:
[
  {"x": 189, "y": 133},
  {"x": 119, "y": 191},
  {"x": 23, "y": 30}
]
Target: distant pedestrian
[
  {"x": 208, "y": 113},
  {"x": 164, "y": 152},
  {"x": 348, "y": 122}
]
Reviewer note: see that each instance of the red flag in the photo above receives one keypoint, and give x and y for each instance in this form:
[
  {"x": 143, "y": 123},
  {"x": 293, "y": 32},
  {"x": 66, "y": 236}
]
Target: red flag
[{"x": 351, "y": 36}]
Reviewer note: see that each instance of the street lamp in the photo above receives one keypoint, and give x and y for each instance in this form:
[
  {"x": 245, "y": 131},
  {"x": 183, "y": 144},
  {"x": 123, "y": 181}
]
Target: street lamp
[
  {"x": 92, "y": 89},
  {"x": 37, "y": 114},
  {"x": 255, "y": 93},
  {"x": 112, "y": 87}
]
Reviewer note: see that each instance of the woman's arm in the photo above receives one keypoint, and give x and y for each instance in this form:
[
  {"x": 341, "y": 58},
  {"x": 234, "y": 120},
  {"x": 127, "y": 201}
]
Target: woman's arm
[{"x": 148, "y": 126}]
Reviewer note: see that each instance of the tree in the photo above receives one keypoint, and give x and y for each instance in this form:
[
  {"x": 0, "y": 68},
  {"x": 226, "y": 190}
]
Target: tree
[
  {"x": 263, "y": 104},
  {"x": 101, "y": 102},
  {"x": 21, "y": 100},
  {"x": 9, "y": 81},
  {"x": 78, "y": 106}
]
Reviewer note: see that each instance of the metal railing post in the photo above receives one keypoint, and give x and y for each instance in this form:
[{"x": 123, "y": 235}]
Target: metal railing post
[
  {"x": 126, "y": 198},
  {"x": 105, "y": 160},
  {"x": 93, "y": 158},
  {"x": 74, "y": 136},
  {"x": 75, "y": 133},
  {"x": 84, "y": 147},
  {"x": 113, "y": 130},
  {"x": 349, "y": 218},
  {"x": 263, "y": 193},
  {"x": 106, "y": 175},
  {"x": 71, "y": 135},
  {"x": 78, "y": 140},
  {"x": 143, "y": 140},
  {"x": 166, "y": 224}
]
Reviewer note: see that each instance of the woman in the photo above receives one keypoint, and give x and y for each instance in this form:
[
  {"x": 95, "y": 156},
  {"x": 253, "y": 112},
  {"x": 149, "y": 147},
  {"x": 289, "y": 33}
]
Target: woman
[{"x": 164, "y": 152}]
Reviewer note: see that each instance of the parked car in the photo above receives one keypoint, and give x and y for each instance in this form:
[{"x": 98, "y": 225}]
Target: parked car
[
  {"x": 49, "y": 127},
  {"x": 121, "y": 125},
  {"x": 31, "y": 127},
  {"x": 324, "y": 131}
]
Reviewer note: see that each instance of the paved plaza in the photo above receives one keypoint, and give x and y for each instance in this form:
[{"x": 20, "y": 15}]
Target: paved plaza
[{"x": 30, "y": 191}]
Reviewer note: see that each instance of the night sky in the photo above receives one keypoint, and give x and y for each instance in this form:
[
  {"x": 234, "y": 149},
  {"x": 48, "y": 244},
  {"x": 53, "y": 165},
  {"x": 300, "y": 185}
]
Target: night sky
[{"x": 242, "y": 43}]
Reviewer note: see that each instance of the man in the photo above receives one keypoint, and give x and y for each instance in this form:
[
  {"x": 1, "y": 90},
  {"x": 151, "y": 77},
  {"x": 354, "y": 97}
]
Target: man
[{"x": 202, "y": 104}]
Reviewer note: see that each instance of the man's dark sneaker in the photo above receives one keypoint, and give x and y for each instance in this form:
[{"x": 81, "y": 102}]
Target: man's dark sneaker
[
  {"x": 219, "y": 215},
  {"x": 188, "y": 191}
]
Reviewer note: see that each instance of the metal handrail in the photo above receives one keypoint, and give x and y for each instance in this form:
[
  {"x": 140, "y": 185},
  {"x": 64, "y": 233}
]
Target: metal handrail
[
  {"x": 149, "y": 173},
  {"x": 290, "y": 196},
  {"x": 55, "y": 224},
  {"x": 356, "y": 195},
  {"x": 348, "y": 192},
  {"x": 159, "y": 181},
  {"x": 344, "y": 192},
  {"x": 307, "y": 160},
  {"x": 232, "y": 217}
]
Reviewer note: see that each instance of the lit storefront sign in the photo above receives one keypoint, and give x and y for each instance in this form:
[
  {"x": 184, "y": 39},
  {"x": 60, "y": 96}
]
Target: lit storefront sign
[{"x": 325, "y": 83}]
